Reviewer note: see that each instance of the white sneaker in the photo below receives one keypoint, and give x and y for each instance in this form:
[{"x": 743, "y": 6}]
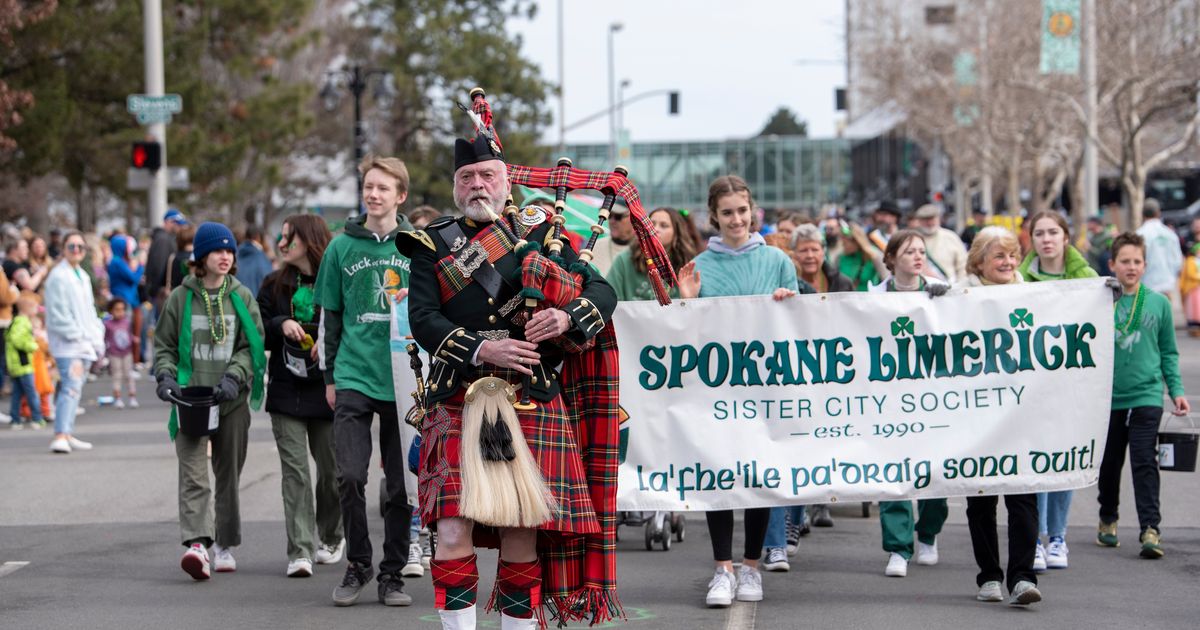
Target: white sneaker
[
  {"x": 300, "y": 567},
  {"x": 749, "y": 585},
  {"x": 119, "y": 404},
  {"x": 720, "y": 589},
  {"x": 1056, "y": 554},
  {"x": 330, "y": 554},
  {"x": 133, "y": 403},
  {"x": 195, "y": 562},
  {"x": 223, "y": 559},
  {"x": 927, "y": 555},
  {"x": 1024, "y": 594},
  {"x": 5, "y": 417},
  {"x": 897, "y": 566},
  {"x": 413, "y": 567},
  {"x": 1039, "y": 558},
  {"x": 60, "y": 445},
  {"x": 777, "y": 560},
  {"x": 78, "y": 444},
  {"x": 990, "y": 592}
]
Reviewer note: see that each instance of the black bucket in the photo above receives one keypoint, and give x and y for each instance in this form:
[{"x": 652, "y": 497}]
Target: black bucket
[
  {"x": 1177, "y": 451},
  {"x": 297, "y": 360},
  {"x": 198, "y": 411}
]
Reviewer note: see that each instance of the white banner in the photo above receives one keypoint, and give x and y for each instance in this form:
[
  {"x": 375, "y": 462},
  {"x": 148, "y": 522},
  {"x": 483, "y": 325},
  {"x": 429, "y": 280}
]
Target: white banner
[{"x": 745, "y": 402}]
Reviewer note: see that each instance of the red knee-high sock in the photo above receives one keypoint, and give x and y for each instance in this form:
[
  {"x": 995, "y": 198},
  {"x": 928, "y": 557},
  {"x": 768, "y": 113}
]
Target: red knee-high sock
[
  {"x": 455, "y": 582},
  {"x": 519, "y": 588}
]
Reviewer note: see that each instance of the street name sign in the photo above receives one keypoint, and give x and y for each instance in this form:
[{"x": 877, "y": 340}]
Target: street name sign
[{"x": 152, "y": 110}]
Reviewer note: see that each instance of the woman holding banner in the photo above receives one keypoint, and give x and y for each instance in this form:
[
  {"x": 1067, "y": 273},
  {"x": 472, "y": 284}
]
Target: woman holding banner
[
  {"x": 1052, "y": 258},
  {"x": 992, "y": 260},
  {"x": 737, "y": 262},
  {"x": 905, "y": 259},
  {"x": 628, "y": 272}
]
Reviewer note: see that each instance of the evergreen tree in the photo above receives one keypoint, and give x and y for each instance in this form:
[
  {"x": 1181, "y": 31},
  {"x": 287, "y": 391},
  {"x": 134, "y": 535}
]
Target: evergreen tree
[{"x": 784, "y": 123}]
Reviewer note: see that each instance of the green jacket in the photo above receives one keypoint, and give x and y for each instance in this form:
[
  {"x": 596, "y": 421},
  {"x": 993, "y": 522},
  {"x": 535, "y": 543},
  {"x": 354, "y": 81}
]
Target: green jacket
[
  {"x": 209, "y": 362},
  {"x": 358, "y": 277},
  {"x": 1076, "y": 267},
  {"x": 19, "y": 347},
  {"x": 1145, "y": 357}
]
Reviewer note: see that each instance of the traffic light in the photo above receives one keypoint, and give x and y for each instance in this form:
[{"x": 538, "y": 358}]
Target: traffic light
[
  {"x": 673, "y": 103},
  {"x": 146, "y": 155}
]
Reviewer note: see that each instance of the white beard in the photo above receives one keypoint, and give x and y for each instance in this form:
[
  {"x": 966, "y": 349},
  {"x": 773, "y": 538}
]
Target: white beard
[{"x": 479, "y": 210}]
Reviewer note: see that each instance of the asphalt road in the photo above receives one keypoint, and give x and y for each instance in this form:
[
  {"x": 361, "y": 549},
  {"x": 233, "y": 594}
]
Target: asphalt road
[{"x": 98, "y": 533}]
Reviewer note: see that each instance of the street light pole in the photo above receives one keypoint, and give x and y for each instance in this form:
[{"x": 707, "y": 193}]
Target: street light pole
[
  {"x": 613, "y": 29},
  {"x": 357, "y": 79},
  {"x": 357, "y": 85},
  {"x": 1091, "y": 201},
  {"x": 621, "y": 104}
]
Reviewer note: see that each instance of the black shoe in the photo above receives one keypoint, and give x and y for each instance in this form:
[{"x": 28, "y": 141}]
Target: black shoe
[
  {"x": 391, "y": 591},
  {"x": 822, "y": 517},
  {"x": 356, "y": 579}
]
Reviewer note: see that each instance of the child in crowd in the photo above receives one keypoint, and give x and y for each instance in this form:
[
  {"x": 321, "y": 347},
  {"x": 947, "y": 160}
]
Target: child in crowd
[
  {"x": 118, "y": 343},
  {"x": 43, "y": 364},
  {"x": 1144, "y": 359},
  {"x": 211, "y": 334},
  {"x": 20, "y": 345}
]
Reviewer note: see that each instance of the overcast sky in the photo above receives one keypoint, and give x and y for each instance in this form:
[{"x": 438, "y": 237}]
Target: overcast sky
[{"x": 733, "y": 62}]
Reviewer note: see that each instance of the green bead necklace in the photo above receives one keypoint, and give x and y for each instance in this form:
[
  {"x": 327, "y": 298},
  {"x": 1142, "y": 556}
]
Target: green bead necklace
[
  {"x": 1135, "y": 313},
  {"x": 217, "y": 338}
]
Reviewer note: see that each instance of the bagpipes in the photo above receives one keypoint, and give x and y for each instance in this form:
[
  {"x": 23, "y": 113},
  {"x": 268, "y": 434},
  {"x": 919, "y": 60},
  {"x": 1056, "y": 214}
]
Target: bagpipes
[{"x": 545, "y": 279}]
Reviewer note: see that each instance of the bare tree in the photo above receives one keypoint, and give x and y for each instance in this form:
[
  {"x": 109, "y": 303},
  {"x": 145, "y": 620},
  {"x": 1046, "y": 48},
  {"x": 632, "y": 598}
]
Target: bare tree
[{"x": 1002, "y": 118}]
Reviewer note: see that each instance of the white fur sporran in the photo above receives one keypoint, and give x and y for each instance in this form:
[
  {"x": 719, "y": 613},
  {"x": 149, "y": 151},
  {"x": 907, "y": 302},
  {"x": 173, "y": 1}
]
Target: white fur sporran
[{"x": 504, "y": 493}]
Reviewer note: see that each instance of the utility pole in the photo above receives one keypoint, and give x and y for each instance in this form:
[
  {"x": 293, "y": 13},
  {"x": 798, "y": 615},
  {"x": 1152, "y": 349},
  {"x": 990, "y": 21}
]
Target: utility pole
[
  {"x": 1091, "y": 202},
  {"x": 613, "y": 29},
  {"x": 156, "y": 196}
]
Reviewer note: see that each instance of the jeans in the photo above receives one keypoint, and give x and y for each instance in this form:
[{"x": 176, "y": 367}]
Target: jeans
[
  {"x": 23, "y": 386},
  {"x": 1136, "y": 428},
  {"x": 295, "y": 438},
  {"x": 1053, "y": 508},
  {"x": 1022, "y": 538},
  {"x": 72, "y": 372},
  {"x": 352, "y": 416},
  {"x": 777, "y": 526}
]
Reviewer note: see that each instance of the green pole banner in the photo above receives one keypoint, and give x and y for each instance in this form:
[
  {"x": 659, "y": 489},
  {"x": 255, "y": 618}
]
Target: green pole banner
[{"x": 1060, "y": 37}]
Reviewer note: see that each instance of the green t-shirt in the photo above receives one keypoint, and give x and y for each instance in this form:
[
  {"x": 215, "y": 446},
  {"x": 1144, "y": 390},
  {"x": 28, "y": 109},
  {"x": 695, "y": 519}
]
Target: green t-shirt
[
  {"x": 1146, "y": 355},
  {"x": 358, "y": 277}
]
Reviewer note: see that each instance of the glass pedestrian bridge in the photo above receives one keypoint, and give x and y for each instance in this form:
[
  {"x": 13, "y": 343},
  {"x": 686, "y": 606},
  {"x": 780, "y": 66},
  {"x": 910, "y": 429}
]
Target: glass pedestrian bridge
[{"x": 784, "y": 172}]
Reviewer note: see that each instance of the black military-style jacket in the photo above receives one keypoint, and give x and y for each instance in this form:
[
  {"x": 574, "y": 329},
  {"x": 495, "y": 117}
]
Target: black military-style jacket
[{"x": 485, "y": 307}]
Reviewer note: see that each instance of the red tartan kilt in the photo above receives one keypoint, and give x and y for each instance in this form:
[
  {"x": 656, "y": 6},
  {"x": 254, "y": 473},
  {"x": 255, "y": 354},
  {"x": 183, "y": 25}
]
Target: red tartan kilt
[{"x": 549, "y": 431}]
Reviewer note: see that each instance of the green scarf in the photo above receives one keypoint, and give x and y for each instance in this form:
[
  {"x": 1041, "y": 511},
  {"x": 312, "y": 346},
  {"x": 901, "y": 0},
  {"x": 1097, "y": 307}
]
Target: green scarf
[{"x": 257, "y": 355}]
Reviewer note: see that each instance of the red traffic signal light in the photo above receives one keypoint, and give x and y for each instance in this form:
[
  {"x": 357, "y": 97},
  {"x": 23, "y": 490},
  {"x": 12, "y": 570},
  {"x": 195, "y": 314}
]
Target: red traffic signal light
[{"x": 146, "y": 155}]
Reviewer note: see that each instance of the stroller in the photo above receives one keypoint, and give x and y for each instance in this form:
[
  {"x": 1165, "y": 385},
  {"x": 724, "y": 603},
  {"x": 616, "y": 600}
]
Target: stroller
[{"x": 660, "y": 527}]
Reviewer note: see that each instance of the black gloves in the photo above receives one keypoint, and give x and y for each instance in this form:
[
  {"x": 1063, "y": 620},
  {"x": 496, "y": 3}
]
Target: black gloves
[
  {"x": 228, "y": 388},
  {"x": 936, "y": 289},
  {"x": 167, "y": 387}
]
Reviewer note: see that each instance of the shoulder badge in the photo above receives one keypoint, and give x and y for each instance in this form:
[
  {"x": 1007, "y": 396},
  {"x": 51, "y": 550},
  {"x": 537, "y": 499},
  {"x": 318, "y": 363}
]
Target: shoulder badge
[
  {"x": 533, "y": 216},
  {"x": 406, "y": 242}
]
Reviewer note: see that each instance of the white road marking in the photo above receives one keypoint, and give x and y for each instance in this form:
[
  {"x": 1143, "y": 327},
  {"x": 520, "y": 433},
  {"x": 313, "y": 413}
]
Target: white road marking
[
  {"x": 741, "y": 616},
  {"x": 11, "y": 567}
]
